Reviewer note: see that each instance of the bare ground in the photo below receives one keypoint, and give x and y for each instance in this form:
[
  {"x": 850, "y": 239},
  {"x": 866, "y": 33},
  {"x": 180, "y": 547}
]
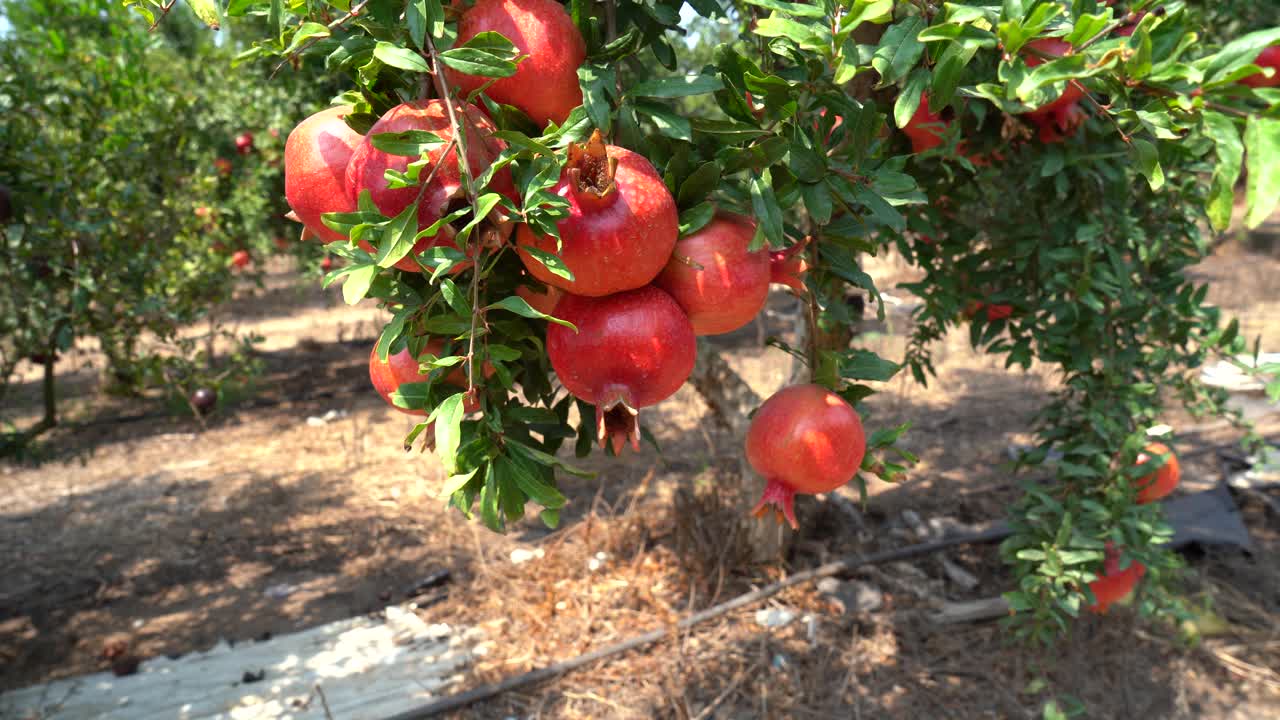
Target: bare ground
[{"x": 173, "y": 535}]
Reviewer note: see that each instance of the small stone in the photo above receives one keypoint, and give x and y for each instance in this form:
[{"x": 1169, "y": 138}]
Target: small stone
[
  {"x": 774, "y": 617},
  {"x": 852, "y": 596},
  {"x": 958, "y": 575}
]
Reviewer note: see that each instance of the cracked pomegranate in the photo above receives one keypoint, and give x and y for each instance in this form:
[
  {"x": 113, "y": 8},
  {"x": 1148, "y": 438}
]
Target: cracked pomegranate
[
  {"x": 622, "y": 223},
  {"x": 316, "y": 155},
  {"x": 720, "y": 285},
  {"x": 545, "y": 85},
  {"x": 804, "y": 439},
  {"x": 631, "y": 350}
]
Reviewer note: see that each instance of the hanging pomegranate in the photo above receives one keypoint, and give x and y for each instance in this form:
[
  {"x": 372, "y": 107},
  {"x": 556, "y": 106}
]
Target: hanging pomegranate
[
  {"x": 1161, "y": 482},
  {"x": 925, "y": 128},
  {"x": 543, "y": 298},
  {"x": 622, "y": 223},
  {"x": 368, "y": 166},
  {"x": 316, "y": 155},
  {"x": 1114, "y": 584},
  {"x": 720, "y": 285},
  {"x": 631, "y": 350},
  {"x": 1061, "y": 118},
  {"x": 402, "y": 368},
  {"x": 804, "y": 439},
  {"x": 545, "y": 85}
]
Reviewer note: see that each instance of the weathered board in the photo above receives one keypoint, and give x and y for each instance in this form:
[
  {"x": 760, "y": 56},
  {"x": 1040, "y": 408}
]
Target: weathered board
[{"x": 365, "y": 669}]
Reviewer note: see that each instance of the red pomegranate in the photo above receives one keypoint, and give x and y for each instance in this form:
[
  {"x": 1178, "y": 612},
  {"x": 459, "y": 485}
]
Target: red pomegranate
[
  {"x": 787, "y": 267},
  {"x": 241, "y": 258},
  {"x": 545, "y": 85},
  {"x": 326, "y": 264},
  {"x": 999, "y": 311},
  {"x": 1268, "y": 58},
  {"x": 1062, "y": 117},
  {"x": 402, "y": 367},
  {"x": 223, "y": 166},
  {"x": 632, "y": 349},
  {"x": 925, "y": 129},
  {"x": 543, "y": 298},
  {"x": 1114, "y": 584},
  {"x": 1158, "y": 484},
  {"x": 805, "y": 439},
  {"x": 622, "y": 224},
  {"x": 244, "y": 143},
  {"x": 315, "y": 169},
  {"x": 720, "y": 285},
  {"x": 369, "y": 165}
]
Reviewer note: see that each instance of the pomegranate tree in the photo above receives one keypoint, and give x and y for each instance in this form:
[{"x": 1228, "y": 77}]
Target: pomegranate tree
[{"x": 1068, "y": 241}]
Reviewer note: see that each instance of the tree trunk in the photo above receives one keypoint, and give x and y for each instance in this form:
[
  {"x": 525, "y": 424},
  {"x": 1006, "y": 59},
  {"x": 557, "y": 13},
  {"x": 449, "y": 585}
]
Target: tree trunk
[{"x": 731, "y": 400}]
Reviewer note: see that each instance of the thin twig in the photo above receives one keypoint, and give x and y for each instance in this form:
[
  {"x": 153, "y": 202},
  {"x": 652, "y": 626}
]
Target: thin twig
[{"x": 324, "y": 702}]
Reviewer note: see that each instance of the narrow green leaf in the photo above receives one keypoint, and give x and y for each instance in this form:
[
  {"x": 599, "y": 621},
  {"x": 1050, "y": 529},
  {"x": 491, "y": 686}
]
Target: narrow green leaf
[
  {"x": 1262, "y": 153},
  {"x": 518, "y": 306},
  {"x": 399, "y": 57}
]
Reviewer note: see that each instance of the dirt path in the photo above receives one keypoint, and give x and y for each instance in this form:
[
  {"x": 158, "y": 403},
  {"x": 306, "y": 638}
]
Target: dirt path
[{"x": 274, "y": 519}]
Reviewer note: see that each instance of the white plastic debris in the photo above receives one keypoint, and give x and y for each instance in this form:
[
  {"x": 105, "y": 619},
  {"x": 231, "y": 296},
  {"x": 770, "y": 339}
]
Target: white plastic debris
[
  {"x": 325, "y": 419},
  {"x": 774, "y": 617},
  {"x": 523, "y": 555}
]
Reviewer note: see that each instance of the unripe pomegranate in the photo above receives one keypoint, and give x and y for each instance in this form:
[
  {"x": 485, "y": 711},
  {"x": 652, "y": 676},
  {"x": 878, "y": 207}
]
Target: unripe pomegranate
[
  {"x": 1268, "y": 58},
  {"x": 1114, "y": 584},
  {"x": 543, "y": 299},
  {"x": 622, "y": 223},
  {"x": 1156, "y": 485},
  {"x": 316, "y": 155},
  {"x": 244, "y": 143},
  {"x": 925, "y": 129},
  {"x": 369, "y": 165},
  {"x": 545, "y": 85},
  {"x": 805, "y": 439},
  {"x": 241, "y": 258},
  {"x": 787, "y": 267},
  {"x": 402, "y": 367},
  {"x": 632, "y": 349},
  {"x": 1062, "y": 117},
  {"x": 720, "y": 285}
]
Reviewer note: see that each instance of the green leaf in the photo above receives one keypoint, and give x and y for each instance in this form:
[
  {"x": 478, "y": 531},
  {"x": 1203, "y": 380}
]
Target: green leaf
[
  {"x": 526, "y": 476},
  {"x": 306, "y": 31},
  {"x": 456, "y": 298},
  {"x": 817, "y": 200},
  {"x": 358, "y": 282},
  {"x": 597, "y": 83},
  {"x": 1262, "y": 153},
  {"x": 1149, "y": 163},
  {"x": 1230, "y": 151},
  {"x": 667, "y": 121},
  {"x": 904, "y": 108},
  {"x": 410, "y": 143},
  {"x": 550, "y": 261},
  {"x": 488, "y": 54},
  {"x": 700, "y": 184},
  {"x": 866, "y": 365},
  {"x": 207, "y": 11},
  {"x": 775, "y": 26},
  {"x": 795, "y": 9},
  {"x": 765, "y": 208},
  {"x": 899, "y": 50},
  {"x": 399, "y": 57},
  {"x": 448, "y": 419},
  {"x": 680, "y": 86},
  {"x": 518, "y": 306},
  {"x": 397, "y": 237},
  {"x": 696, "y": 218}
]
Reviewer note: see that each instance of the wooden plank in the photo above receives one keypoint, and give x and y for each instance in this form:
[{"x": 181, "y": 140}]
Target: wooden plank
[{"x": 366, "y": 668}]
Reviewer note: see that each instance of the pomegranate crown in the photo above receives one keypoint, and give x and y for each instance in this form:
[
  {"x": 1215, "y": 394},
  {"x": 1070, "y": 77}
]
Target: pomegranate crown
[{"x": 590, "y": 169}]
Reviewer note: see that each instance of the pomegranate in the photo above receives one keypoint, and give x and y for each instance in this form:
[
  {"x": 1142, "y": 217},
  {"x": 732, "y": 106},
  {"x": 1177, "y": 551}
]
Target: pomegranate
[
  {"x": 998, "y": 311},
  {"x": 925, "y": 129},
  {"x": 545, "y": 85},
  {"x": 543, "y": 298},
  {"x": 402, "y": 367},
  {"x": 241, "y": 258},
  {"x": 787, "y": 267},
  {"x": 223, "y": 166},
  {"x": 632, "y": 349},
  {"x": 368, "y": 166},
  {"x": 1114, "y": 584},
  {"x": 203, "y": 400},
  {"x": 622, "y": 223},
  {"x": 1268, "y": 58},
  {"x": 244, "y": 143},
  {"x": 805, "y": 439},
  {"x": 1158, "y": 484},
  {"x": 1062, "y": 117},
  {"x": 720, "y": 285},
  {"x": 315, "y": 170}
]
